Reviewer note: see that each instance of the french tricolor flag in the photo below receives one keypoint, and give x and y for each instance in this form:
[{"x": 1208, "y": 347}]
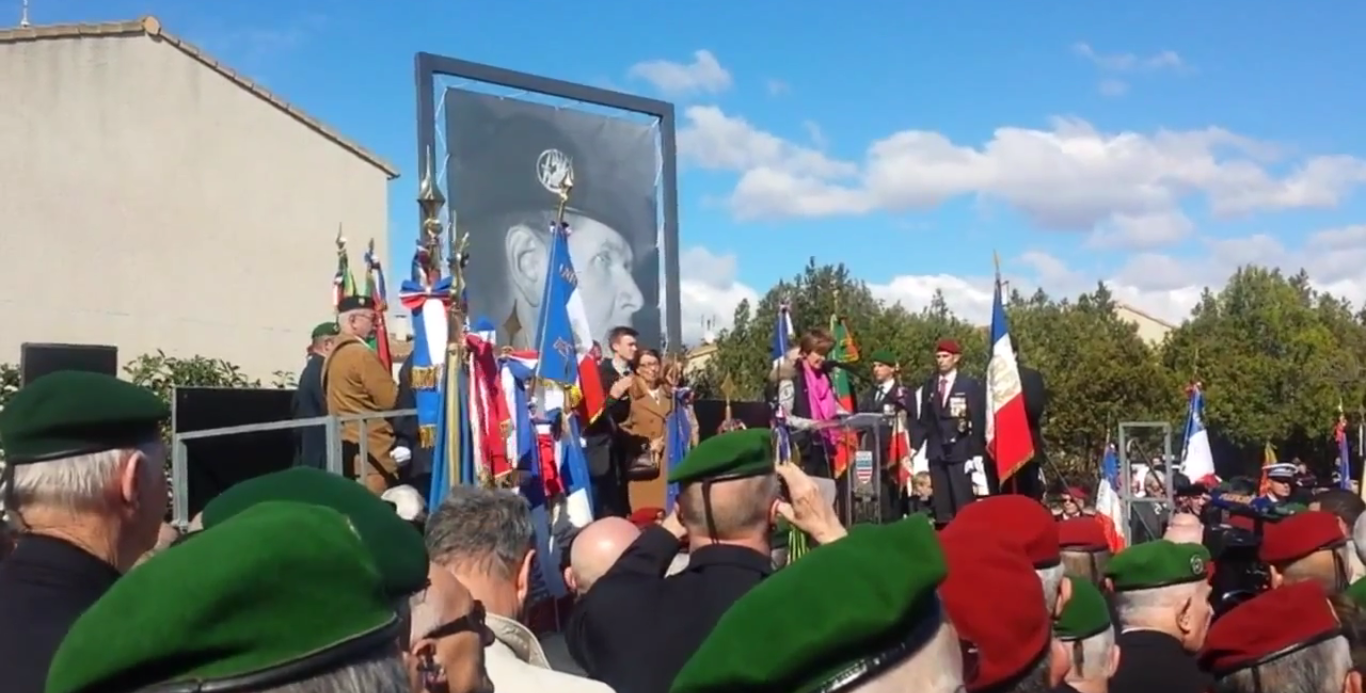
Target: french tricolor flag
[
  {"x": 1008, "y": 440},
  {"x": 566, "y": 337}
]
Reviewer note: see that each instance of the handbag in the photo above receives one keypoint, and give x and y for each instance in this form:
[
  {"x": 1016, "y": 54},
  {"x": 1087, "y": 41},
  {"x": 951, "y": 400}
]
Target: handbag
[{"x": 645, "y": 465}]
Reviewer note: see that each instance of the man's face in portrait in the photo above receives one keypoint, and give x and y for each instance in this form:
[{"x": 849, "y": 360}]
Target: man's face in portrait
[{"x": 602, "y": 259}]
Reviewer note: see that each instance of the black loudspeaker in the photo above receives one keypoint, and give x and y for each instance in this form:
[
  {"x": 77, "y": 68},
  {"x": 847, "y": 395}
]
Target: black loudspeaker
[
  {"x": 37, "y": 360},
  {"x": 215, "y": 464}
]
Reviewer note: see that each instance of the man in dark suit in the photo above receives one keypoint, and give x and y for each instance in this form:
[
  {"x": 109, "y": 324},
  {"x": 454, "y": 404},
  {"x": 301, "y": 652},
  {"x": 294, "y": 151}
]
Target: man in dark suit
[
  {"x": 952, "y": 426},
  {"x": 891, "y": 399},
  {"x": 601, "y": 448},
  {"x": 418, "y": 472},
  {"x": 1028, "y": 480},
  {"x": 310, "y": 401}
]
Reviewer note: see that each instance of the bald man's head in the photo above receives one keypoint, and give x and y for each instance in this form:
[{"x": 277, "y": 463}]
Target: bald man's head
[
  {"x": 595, "y": 549},
  {"x": 1185, "y": 529}
]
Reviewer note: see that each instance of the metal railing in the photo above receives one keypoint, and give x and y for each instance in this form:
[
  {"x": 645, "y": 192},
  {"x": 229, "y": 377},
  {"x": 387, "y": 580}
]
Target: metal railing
[{"x": 333, "y": 427}]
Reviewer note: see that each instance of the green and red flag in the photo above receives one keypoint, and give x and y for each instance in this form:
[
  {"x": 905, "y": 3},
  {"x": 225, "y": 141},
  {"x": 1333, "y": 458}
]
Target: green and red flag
[{"x": 845, "y": 351}]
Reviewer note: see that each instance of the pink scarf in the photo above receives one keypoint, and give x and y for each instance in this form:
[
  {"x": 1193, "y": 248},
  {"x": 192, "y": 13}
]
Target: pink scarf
[{"x": 821, "y": 397}]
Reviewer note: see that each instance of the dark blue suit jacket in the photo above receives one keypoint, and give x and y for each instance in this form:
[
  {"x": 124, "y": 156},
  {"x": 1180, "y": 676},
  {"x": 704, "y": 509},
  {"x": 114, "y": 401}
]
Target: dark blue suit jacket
[{"x": 944, "y": 434}]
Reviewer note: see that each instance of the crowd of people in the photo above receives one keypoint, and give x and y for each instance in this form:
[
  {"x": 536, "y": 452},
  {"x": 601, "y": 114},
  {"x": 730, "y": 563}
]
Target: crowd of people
[{"x": 303, "y": 581}]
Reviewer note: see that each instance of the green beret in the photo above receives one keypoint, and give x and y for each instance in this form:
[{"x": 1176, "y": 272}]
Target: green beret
[
  {"x": 326, "y": 329},
  {"x": 867, "y": 601},
  {"x": 283, "y": 591},
  {"x": 1156, "y": 564},
  {"x": 70, "y": 413},
  {"x": 884, "y": 356},
  {"x": 1357, "y": 592},
  {"x": 733, "y": 455},
  {"x": 1086, "y": 614},
  {"x": 396, "y": 547}
]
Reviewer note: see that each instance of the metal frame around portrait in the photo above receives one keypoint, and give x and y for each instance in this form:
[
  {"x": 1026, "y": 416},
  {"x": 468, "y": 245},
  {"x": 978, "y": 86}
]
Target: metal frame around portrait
[{"x": 430, "y": 67}]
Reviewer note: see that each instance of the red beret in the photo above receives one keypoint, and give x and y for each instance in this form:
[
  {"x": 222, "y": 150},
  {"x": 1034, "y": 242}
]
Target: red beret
[
  {"x": 1299, "y": 535},
  {"x": 1242, "y": 522},
  {"x": 1082, "y": 533},
  {"x": 1018, "y": 519},
  {"x": 644, "y": 517},
  {"x": 1076, "y": 492},
  {"x": 947, "y": 346},
  {"x": 1274, "y": 622},
  {"x": 992, "y": 597}
]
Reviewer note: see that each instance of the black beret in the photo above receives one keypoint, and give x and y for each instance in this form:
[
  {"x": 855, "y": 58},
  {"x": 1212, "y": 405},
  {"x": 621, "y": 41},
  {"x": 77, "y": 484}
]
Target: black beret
[
  {"x": 350, "y": 303},
  {"x": 498, "y": 154},
  {"x": 70, "y": 413}
]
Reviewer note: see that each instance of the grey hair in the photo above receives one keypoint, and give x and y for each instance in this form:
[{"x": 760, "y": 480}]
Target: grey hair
[
  {"x": 935, "y": 668},
  {"x": 1051, "y": 579},
  {"x": 483, "y": 528},
  {"x": 1321, "y": 668},
  {"x": 383, "y": 672},
  {"x": 1090, "y": 660},
  {"x": 76, "y": 484},
  {"x": 1135, "y": 607}
]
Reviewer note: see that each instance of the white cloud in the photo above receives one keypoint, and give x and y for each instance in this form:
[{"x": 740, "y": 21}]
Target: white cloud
[
  {"x": 1129, "y": 62},
  {"x": 1113, "y": 87},
  {"x": 1070, "y": 176},
  {"x": 709, "y": 292},
  {"x": 815, "y": 133},
  {"x": 704, "y": 75},
  {"x": 777, "y": 87},
  {"x": 1141, "y": 231}
]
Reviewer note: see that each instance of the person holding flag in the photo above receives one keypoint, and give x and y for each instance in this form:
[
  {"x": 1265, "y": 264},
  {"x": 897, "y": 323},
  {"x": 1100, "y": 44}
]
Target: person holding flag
[{"x": 952, "y": 425}]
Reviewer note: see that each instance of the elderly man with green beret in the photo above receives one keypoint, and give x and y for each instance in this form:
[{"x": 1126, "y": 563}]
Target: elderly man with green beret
[
  {"x": 84, "y": 479},
  {"x": 237, "y": 609},
  {"x": 636, "y": 628},
  {"x": 1087, "y": 632},
  {"x": 309, "y": 399},
  {"x": 857, "y": 615},
  {"x": 1161, "y": 596}
]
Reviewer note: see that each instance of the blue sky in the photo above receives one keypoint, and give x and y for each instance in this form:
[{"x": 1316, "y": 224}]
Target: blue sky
[{"x": 1154, "y": 144}]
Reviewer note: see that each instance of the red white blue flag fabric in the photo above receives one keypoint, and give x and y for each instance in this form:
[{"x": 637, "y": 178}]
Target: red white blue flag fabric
[
  {"x": 566, "y": 337},
  {"x": 1009, "y": 442}
]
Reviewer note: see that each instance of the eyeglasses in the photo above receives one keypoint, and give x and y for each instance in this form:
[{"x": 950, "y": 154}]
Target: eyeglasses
[{"x": 473, "y": 622}]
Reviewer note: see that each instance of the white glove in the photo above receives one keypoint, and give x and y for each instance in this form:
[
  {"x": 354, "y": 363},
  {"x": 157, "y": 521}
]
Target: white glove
[
  {"x": 401, "y": 455},
  {"x": 978, "y": 474}
]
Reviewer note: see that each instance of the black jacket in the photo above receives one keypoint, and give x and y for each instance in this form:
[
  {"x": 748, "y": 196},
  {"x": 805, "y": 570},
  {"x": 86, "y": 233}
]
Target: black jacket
[
  {"x": 1153, "y": 661},
  {"x": 310, "y": 401},
  {"x": 946, "y": 437},
  {"x": 45, "y": 585},
  {"x": 635, "y": 629}
]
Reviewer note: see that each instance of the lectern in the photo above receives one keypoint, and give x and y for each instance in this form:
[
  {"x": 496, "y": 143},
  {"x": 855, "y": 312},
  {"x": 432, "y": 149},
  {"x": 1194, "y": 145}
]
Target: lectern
[{"x": 862, "y": 502}]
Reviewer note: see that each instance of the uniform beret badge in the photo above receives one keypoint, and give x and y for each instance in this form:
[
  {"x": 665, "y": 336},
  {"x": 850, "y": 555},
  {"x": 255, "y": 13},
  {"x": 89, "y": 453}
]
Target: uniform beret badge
[
  {"x": 553, "y": 168},
  {"x": 1197, "y": 565}
]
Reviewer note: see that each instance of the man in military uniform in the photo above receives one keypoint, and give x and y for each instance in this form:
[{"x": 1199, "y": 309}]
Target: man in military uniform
[
  {"x": 1162, "y": 598},
  {"x": 85, "y": 480},
  {"x": 356, "y": 382},
  {"x": 636, "y": 628},
  {"x": 237, "y": 609},
  {"x": 1280, "y": 478},
  {"x": 309, "y": 399},
  {"x": 890, "y": 399},
  {"x": 862, "y": 612},
  {"x": 952, "y": 426}
]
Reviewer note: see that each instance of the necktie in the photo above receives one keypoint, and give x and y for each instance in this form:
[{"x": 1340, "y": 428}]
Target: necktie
[{"x": 943, "y": 387}]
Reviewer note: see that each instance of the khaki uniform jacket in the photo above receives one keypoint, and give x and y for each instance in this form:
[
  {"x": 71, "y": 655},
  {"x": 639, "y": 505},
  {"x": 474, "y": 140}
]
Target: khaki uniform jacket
[{"x": 356, "y": 382}]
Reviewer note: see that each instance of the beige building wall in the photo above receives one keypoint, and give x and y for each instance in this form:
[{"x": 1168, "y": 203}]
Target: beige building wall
[
  {"x": 151, "y": 199},
  {"x": 1150, "y": 329}
]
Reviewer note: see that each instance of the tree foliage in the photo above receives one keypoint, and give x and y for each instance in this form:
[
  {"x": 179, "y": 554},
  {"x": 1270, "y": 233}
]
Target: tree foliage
[{"x": 1274, "y": 355}]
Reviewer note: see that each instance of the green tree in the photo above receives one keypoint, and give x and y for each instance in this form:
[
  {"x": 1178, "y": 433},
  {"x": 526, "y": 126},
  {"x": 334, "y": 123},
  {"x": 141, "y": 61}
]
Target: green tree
[
  {"x": 161, "y": 373},
  {"x": 9, "y": 382},
  {"x": 1275, "y": 358}
]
